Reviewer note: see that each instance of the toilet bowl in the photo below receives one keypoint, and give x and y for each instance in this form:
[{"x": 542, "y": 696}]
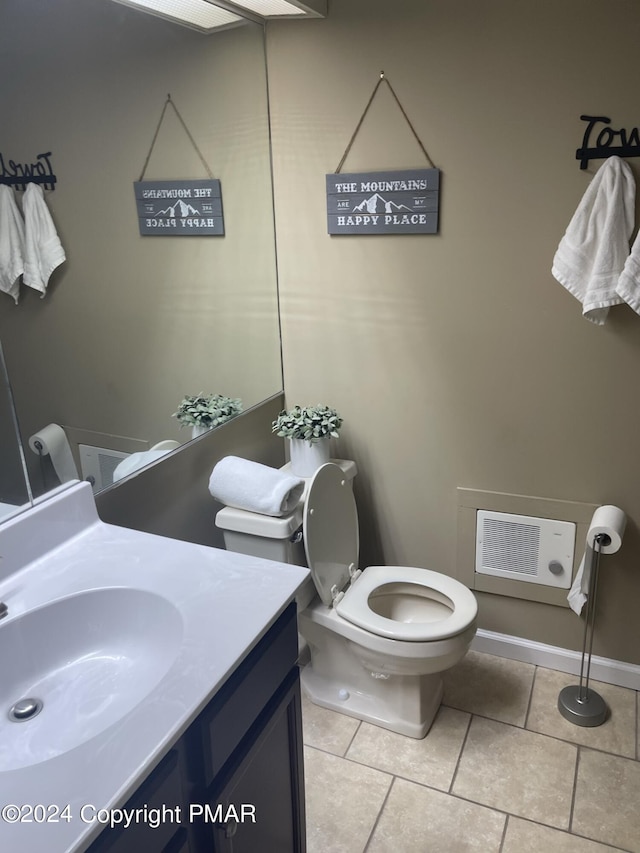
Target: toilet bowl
[{"x": 379, "y": 639}]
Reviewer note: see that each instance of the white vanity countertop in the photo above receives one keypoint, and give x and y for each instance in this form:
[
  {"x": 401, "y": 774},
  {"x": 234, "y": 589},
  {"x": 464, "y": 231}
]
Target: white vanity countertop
[{"x": 227, "y": 602}]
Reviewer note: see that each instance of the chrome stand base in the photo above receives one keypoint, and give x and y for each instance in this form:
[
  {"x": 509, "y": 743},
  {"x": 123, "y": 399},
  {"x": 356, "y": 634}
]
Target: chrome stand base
[{"x": 582, "y": 707}]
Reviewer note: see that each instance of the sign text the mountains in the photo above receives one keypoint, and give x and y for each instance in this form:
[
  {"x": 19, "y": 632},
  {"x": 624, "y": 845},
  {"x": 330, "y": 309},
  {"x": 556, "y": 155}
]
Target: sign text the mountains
[{"x": 402, "y": 202}]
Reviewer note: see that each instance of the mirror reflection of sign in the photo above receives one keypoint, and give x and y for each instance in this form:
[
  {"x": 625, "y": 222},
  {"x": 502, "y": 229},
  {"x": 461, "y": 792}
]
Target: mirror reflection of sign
[
  {"x": 179, "y": 208},
  {"x": 404, "y": 202}
]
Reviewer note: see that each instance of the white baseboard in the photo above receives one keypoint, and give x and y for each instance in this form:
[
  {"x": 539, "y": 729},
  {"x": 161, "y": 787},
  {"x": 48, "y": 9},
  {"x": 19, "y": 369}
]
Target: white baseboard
[{"x": 553, "y": 657}]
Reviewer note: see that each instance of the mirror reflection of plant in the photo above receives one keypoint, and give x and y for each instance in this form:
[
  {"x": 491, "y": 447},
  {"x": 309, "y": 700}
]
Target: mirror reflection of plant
[
  {"x": 207, "y": 410},
  {"x": 309, "y": 423}
]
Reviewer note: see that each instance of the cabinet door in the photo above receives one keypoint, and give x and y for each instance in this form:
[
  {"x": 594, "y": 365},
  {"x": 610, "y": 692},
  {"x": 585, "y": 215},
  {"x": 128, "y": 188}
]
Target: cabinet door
[
  {"x": 262, "y": 794},
  {"x": 161, "y": 798}
]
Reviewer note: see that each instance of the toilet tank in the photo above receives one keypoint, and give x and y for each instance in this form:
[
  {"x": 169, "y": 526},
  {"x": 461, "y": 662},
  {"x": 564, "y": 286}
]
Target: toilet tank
[
  {"x": 263, "y": 535},
  {"x": 270, "y": 537}
]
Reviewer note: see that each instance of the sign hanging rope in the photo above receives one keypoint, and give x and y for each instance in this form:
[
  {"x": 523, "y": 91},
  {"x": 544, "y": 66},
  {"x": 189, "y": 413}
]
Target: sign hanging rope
[
  {"x": 382, "y": 79},
  {"x": 186, "y": 130}
]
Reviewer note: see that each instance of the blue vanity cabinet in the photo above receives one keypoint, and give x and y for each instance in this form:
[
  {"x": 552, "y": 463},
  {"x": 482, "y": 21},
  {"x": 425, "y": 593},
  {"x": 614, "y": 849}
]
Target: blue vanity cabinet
[
  {"x": 259, "y": 792},
  {"x": 237, "y": 772}
]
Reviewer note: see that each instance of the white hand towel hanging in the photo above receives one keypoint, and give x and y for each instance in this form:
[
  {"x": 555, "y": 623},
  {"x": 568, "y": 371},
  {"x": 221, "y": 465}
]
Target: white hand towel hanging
[
  {"x": 43, "y": 250},
  {"x": 11, "y": 243},
  {"x": 629, "y": 283},
  {"x": 595, "y": 246}
]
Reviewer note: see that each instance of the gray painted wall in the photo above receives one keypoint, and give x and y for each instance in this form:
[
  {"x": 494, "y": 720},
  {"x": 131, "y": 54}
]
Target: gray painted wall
[{"x": 456, "y": 359}]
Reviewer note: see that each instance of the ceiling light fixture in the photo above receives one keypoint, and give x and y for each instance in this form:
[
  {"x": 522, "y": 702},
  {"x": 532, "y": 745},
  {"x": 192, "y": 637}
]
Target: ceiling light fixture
[
  {"x": 197, "y": 14},
  {"x": 207, "y": 15},
  {"x": 276, "y": 8}
]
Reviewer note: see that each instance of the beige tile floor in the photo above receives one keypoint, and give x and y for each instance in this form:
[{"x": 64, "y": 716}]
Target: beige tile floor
[{"x": 500, "y": 772}]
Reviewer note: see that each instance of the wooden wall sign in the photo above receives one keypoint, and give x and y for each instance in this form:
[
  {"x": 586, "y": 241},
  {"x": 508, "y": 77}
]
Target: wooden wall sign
[
  {"x": 179, "y": 208},
  {"x": 399, "y": 202}
]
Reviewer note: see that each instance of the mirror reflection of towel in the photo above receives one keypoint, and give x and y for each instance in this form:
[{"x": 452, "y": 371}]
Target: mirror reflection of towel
[
  {"x": 11, "y": 243},
  {"x": 43, "y": 250}
]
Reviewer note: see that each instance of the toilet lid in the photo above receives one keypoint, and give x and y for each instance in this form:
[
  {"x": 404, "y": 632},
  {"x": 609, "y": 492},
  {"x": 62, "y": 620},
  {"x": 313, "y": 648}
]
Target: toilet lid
[{"x": 330, "y": 528}]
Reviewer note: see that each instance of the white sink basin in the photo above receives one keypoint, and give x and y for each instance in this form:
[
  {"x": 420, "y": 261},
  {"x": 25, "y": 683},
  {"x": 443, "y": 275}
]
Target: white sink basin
[
  {"x": 125, "y": 637},
  {"x": 89, "y": 658}
]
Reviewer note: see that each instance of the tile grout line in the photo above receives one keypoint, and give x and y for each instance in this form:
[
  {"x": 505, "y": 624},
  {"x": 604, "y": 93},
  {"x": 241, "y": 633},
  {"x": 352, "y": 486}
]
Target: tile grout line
[
  {"x": 368, "y": 766},
  {"x": 546, "y": 734},
  {"x": 575, "y": 789},
  {"x": 567, "y": 832},
  {"x": 504, "y": 834},
  {"x": 379, "y": 815},
  {"x": 353, "y": 737},
  {"x": 530, "y": 702},
  {"x": 575, "y": 744},
  {"x": 462, "y": 746}
]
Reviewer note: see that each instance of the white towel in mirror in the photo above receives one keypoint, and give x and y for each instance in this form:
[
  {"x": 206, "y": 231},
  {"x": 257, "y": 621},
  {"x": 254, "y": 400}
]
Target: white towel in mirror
[
  {"x": 43, "y": 249},
  {"x": 11, "y": 243}
]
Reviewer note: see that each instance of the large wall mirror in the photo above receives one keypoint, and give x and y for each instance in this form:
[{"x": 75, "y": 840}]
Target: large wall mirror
[
  {"x": 131, "y": 324},
  {"x": 15, "y": 492}
]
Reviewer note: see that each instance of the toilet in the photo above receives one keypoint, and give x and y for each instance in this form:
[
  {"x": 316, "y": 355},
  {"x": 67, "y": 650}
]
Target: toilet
[{"x": 379, "y": 639}]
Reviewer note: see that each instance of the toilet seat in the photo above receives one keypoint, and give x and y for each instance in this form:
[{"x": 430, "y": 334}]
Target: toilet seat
[
  {"x": 330, "y": 528},
  {"x": 448, "y": 606}
]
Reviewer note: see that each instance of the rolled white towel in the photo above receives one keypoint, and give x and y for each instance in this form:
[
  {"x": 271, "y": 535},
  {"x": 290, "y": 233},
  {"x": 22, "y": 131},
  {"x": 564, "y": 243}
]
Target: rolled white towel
[{"x": 257, "y": 488}]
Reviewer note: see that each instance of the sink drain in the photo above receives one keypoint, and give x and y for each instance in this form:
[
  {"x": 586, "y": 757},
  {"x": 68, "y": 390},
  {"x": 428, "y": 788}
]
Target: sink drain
[{"x": 25, "y": 709}]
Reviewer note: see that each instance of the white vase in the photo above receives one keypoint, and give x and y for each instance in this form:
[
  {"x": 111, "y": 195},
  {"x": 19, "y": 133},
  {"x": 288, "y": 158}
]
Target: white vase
[
  {"x": 197, "y": 430},
  {"x": 308, "y": 456}
]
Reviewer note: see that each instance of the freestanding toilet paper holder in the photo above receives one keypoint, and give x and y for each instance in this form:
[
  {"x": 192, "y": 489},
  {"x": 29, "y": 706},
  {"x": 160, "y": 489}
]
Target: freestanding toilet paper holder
[{"x": 579, "y": 703}]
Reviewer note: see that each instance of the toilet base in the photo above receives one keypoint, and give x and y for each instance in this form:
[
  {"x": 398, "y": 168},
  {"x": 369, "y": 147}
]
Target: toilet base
[{"x": 405, "y": 704}]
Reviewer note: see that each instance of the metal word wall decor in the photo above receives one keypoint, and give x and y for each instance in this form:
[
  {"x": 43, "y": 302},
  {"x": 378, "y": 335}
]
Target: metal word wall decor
[
  {"x": 19, "y": 174},
  {"x": 179, "y": 208},
  {"x": 398, "y": 202},
  {"x": 605, "y": 142}
]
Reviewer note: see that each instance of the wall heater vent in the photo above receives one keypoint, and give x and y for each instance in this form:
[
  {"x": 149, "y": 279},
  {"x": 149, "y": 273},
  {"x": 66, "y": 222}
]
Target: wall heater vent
[
  {"x": 534, "y": 550},
  {"x": 98, "y": 464}
]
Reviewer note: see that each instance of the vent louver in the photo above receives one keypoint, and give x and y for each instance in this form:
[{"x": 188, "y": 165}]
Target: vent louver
[
  {"x": 534, "y": 550},
  {"x": 511, "y": 546}
]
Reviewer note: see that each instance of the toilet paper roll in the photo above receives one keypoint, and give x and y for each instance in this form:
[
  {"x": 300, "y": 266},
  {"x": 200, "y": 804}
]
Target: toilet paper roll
[
  {"x": 611, "y": 521},
  {"x": 55, "y": 444}
]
